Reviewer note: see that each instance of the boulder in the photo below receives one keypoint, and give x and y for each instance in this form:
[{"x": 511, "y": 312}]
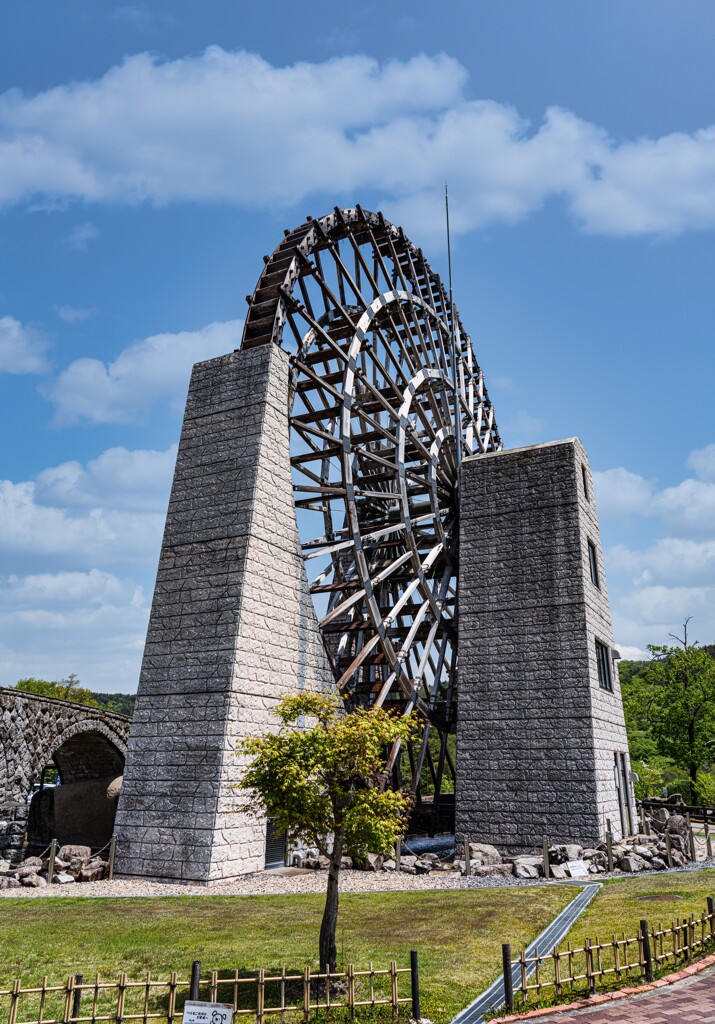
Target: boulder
[
  {"x": 429, "y": 856},
  {"x": 459, "y": 865},
  {"x": 599, "y": 859},
  {"x": 423, "y": 867},
  {"x": 658, "y": 864},
  {"x": 679, "y": 859},
  {"x": 93, "y": 872},
  {"x": 632, "y": 863},
  {"x": 557, "y": 855},
  {"x": 114, "y": 788},
  {"x": 9, "y": 883},
  {"x": 63, "y": 878},
  {"x": 24, "y": 871},
  {"x": 493, "y": 870},
  {"x": 372, "y": 862},
  {"x": 677, "y": 825},
  {"x": 72, "y": 851},
  {"x": 389, "y": 865},
  {"x": 574, "y": 851},
  {"x": 532, "y": 861},
  {"x": 323, "y": 862},
  {"x": 646, "y": 852},
  {"x": 312, "y": 862},
  {"x": 486, "y": 853},
  {"x": 5, "y": 868},
  {"x": 408, "y": 861},
  {"x": 33, "y": 881},
  {"x": 31, "y": 862},
  {"x": 525, "y": 871},
  {"x": 558, "y": 871},
  {"x": 346, "y": 862}
]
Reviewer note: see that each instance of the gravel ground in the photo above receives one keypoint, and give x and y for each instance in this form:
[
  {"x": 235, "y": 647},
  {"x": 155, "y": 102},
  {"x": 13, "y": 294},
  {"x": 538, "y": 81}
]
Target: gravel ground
[{"x": 291, "y": 881}]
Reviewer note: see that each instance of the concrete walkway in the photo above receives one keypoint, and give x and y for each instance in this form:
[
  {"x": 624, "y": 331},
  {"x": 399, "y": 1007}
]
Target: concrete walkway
[{"x": 690, "y": 1001}]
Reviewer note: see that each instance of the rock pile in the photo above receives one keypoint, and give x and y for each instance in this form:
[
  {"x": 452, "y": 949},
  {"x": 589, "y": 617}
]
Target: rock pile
[
  {"x": 72, "y": 864},
  {"x": 641, "y": 852}
]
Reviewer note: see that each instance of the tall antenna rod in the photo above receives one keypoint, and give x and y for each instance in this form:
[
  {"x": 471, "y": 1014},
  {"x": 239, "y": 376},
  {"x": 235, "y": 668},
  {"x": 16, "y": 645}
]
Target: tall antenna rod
[{"x": 453, "y": 338}]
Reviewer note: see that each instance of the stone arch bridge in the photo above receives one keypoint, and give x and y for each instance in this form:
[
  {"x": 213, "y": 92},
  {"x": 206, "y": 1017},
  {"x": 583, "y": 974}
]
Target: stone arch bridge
[{"x": 81, "y": 742}]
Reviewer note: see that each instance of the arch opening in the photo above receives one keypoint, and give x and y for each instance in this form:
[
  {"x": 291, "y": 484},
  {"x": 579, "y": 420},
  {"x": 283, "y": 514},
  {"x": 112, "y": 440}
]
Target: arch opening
[{"x": 81, "y": 806}]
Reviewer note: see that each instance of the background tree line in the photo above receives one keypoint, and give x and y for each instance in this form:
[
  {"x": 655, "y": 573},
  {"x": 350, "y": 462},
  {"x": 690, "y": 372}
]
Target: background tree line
[
  {"x": 669, "y": 704},
  {"x": 70, "y": 689}
]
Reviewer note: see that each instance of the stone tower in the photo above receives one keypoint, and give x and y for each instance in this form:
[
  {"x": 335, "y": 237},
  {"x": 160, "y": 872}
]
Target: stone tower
[
  {"x": 541, "y": 739},
  {"x": 232, "y": 627}
]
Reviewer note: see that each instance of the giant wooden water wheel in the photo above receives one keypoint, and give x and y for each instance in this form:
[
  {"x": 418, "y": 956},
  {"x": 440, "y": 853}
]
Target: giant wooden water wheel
[{"x": 387, "y": 398}]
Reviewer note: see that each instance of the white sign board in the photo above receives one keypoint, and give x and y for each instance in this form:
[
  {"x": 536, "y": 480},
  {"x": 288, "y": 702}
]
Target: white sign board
[
  {"x": 207, "y": 1013},
  {"x": 577, "y": 868}
]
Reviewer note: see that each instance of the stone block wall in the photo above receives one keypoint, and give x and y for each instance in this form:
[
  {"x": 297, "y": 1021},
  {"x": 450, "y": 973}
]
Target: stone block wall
[
  {"x": 232, "y": 628},
  {"x": 82, "y": 741},
  {"x": 536, "y": 736}
]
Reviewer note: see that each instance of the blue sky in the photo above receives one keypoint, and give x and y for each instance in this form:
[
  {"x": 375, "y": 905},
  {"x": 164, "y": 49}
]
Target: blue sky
[{"x": 151, "y": 153}]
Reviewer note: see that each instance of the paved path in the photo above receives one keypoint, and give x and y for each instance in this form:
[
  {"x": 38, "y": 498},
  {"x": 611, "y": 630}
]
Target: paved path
[{"x": 686, "y": 1002}]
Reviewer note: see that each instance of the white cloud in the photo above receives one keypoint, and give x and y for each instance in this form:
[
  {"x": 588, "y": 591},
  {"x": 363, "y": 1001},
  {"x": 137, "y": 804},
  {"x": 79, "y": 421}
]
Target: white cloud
[
  {"x": 620, "y": 492},
  {"x": 72, "y": 314},
  {"x": 22, "y": 349},
  {"x": 81, "y": 235},
  {"x": 92, "y": 623},
  {"x": 117, "y": 479},
  {"x": 230, "y": 127},
  {"x": 702, "y": 462},
  {"x": 689, "y": 507},
  {"x": 61, "y": 608},
  {"x": 149, "y": 371},
  {"x": 656, "y": 585},
  {"x": 83, "y": 537}
]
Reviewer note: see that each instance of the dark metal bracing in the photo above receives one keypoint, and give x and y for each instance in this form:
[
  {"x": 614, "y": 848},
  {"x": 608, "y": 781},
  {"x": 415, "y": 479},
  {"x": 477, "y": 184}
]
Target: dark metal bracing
[{"x": 386, "y": 400}]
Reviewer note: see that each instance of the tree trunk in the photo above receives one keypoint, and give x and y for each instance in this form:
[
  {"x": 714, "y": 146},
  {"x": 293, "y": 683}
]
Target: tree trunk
[
  {"x": 328, "y": 950},
  {"x": 693, "y": 772}
]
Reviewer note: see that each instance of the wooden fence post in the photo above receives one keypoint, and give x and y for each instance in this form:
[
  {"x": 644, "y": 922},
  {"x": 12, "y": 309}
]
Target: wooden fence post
[
  {"x": 711, "y": 914},
  {"x": 112, "y": 854},
  {"x": 668, "y": 849},
  {"x": 467, "y": 858},
  {"x": 76, "y": 1002},
  {"x": 590, "y": 979},
  {"x": 708, "y": 840},
  {"x": 609, "y": 849},
  {"x": 547, "y": 866},
  {"x": 691, "y": 840},
  {"x": 415, "y": 985},
  {"x": 51, "y": 862},
  {"x": 508, "y": 979},
  {"x": 195, "y": 979},
  {"x": 398, "y": 854},
  {"x": 647, "y": 955}
]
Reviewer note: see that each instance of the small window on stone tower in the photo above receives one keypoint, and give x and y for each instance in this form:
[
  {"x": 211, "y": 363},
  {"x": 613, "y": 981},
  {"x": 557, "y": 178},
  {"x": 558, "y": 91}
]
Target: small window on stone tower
[
  {"x": 593, "y": 564},
  {"x": 584, "y": 476},
  {"x": 603, "y": 660}
]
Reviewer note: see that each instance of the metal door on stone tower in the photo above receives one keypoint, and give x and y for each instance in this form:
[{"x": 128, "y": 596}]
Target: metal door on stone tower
[{"x": 275, "y": 846}]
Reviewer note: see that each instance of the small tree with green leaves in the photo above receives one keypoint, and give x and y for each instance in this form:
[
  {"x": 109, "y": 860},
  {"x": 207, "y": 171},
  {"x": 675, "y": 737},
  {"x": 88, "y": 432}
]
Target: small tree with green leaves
[{"x": 324, "y": 782}]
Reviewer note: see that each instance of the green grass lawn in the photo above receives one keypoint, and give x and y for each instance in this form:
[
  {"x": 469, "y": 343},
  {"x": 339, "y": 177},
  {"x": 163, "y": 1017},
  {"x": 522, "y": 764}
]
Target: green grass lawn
[
  {"x": 624, "y": 901},
  {"x": 618, "y": 910},
  {"x": 458, "y": 935}
]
